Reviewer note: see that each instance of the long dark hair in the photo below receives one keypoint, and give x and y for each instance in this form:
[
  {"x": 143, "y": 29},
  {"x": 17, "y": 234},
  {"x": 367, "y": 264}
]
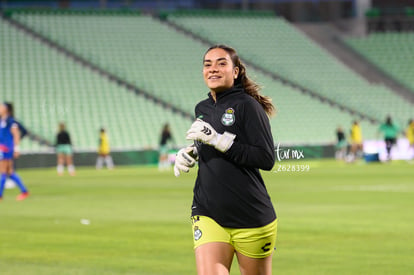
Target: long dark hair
[
  {"x": 166, "y": 128},
  {"x": 250, "y": 87},
  {"x": 388, "y": 120}
]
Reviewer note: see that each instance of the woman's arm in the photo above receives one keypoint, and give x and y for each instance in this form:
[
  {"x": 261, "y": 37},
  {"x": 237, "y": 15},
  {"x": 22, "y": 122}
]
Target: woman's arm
[
  {"x": 16, "y": 139},
  {"x": 68, "y": 137},
  {"x": 259, "y": 151}
]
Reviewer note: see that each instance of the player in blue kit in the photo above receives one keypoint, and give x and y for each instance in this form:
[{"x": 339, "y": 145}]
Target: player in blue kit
[{"x": 9, "y": 149}]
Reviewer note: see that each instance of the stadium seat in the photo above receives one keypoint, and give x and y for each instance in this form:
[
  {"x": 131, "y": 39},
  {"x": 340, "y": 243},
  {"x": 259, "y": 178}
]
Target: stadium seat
[
  {"x": 166, "y": 63},
  {"x": 275, "y": 45},
  {"x": 47, "y": 87},
  {"x": 391, "y": 52}
]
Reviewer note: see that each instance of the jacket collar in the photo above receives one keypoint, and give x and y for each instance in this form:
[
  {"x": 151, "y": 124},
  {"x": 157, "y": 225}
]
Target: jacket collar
[{"x": 221, "y": 95}]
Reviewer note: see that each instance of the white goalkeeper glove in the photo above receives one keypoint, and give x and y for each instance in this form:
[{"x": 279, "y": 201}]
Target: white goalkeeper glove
[
  {"x": 204, "y": 132},
  {"x": 185, "y": 159}
]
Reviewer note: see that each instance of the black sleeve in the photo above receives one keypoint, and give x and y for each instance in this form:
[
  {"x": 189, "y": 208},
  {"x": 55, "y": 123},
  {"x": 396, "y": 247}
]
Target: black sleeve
[
  {"x": 258, "y": 152},
  {"x": 172, "y": 138},
  {"x": 68, "y": 137}
]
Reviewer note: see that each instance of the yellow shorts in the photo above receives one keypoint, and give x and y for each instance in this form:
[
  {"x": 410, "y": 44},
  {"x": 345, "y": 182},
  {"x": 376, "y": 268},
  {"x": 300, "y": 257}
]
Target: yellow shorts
[
  {"x": 256, "y": 242},
  {"x": 356, "y": 141}
]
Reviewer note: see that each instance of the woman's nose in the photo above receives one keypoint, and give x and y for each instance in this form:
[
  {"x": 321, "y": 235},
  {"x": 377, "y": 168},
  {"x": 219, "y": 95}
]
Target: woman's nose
[{"x": 213, "y": 68}]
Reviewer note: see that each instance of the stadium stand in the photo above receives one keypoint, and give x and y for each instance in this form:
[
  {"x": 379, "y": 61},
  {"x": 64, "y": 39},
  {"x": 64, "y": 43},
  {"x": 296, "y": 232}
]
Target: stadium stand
[
  {"x": 391, "y": 52},
  {"x": 137, "y": 48},
  {"x": 47, "y": 87},
  {"x": 303, "y": 119},
  {"x": 273, "y": 44},
  {"x": 166, "y": 63}
]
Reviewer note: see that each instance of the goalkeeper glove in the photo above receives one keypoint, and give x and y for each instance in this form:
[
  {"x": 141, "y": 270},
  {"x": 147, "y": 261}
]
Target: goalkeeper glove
[
  {"x": 185, "y": 159},
  {"x": 204, "y": 132}
]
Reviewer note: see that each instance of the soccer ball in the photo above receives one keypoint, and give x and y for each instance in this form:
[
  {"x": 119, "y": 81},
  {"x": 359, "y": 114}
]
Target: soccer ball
[{"x": 9, "y": 184}]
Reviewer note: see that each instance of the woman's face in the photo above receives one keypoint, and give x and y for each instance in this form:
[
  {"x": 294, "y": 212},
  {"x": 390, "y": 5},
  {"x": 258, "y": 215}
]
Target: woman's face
[
  {"x": 218, "y": 70},
  {"x": 3, "y": 110}
]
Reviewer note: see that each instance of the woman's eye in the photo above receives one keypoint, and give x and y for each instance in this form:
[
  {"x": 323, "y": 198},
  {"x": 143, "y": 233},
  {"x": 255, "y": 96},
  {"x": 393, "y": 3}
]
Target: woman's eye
[
  {"x": 222, "y": 64},
  {"x": 207, "y": 65}
]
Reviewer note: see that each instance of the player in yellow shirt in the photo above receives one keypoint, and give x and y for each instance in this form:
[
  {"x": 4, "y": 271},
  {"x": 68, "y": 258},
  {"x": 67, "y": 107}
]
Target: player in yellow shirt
[
  {"x": 409, "y": 133},
  {"x": 356, "y": 140},
  {"x": 104, "y": 151}
]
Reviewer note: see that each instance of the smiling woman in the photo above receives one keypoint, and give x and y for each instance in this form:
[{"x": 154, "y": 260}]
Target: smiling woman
[
  {"x": 232, "y": 212},
  {"x": 218, "y": 70},
  {"x": 232, "y": 72}
]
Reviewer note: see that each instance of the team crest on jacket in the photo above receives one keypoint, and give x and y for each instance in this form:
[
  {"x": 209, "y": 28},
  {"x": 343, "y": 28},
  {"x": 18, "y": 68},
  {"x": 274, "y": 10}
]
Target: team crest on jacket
[{"x": 228, "y": 117}]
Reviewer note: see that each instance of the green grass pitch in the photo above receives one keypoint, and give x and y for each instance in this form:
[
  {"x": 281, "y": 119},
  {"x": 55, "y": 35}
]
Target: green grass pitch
[{"x": 335, "y": 219}]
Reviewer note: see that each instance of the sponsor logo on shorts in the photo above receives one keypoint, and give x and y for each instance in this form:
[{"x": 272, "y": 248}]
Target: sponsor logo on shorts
[
  {"x": 228, "y": 117},
  {"x": 197, "y": 233},
  {"x": 266, "y": 248}
]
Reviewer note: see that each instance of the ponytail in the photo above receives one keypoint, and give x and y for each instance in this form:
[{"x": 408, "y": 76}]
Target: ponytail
[
  {"x": 253, "y": 89},
  {"x": 249, "y": 86}
]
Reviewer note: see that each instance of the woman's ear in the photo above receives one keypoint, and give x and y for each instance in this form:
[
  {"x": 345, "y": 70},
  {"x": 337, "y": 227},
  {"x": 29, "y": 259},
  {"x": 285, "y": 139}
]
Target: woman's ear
[{"x": 236, "y": 72}]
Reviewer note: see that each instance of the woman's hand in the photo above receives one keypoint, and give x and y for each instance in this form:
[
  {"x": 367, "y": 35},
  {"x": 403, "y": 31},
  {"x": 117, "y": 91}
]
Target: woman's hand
[
  {"x": 185, "y": 159},
  {"x": 16, "y": 152},
  {"x": 204, "y": 132}
]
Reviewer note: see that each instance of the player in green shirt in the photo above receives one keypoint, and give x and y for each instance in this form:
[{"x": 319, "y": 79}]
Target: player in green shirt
[{"x": 390, "y": 131}]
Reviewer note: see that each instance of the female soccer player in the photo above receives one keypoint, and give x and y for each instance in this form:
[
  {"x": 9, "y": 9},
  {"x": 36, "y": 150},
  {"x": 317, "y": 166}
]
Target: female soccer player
[
  {"x": 409, "y": 133},
  {"x": 356, "y": 141},
  {"x": 104, "y": 151},
  {"x": 341, "y": 144},
  {"x": 64, "y": 151},
  {"x": 166, "y": 136},
  {"x": 9, "y": 149},
  {"x": 232, "y": 212},
  {"x": 390, "y": 131}
]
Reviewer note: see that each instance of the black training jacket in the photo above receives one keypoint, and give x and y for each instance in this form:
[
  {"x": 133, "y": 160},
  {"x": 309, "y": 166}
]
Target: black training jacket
[{"x": 229, "y": 188}]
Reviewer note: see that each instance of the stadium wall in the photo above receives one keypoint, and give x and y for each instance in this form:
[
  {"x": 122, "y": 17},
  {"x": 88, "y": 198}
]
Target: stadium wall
[
  {"x": 150, "y": 157},
  {"x": 42, "y": 160}
]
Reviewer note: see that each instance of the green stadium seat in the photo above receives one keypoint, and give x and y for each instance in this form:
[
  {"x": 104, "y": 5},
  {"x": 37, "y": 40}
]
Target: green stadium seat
[
  {"x": 391, "y": 52},
  {"x": 166, "y": 63},
  {"x": 47, "y": 88},
  {"x": 275, "y": 45}
]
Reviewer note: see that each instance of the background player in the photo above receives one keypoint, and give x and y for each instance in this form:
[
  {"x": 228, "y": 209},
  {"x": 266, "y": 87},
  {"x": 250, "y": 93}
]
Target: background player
[
  {"x": 341, "y": 144},
  {"x": 356, "y": 141},
  {"x": 104, "y": 151},
  {"x": 9, "y": 149},
  {"x": 163, "y": 163},
  {"x": 64, "y": 151},
  {"x": 409, "y": 133},
  {"x": 232, "y": 212},
  {"x": 390, "y": 131}
]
